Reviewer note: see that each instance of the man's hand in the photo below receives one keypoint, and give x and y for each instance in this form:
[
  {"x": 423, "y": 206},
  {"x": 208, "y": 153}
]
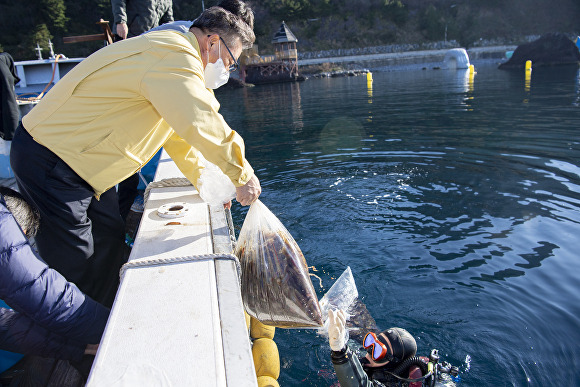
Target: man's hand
[
  {"x": 336, "y": 329},
  {"x": 122, "y": 30},
  {"x": 248, "y": 193}
]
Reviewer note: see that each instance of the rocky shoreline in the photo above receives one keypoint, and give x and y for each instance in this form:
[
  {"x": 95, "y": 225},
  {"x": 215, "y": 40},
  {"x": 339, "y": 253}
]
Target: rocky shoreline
[
  {"x": 338, "y": 73},
  {"x": 397, "y": 60},
  {"x": 355, "y": 65}
]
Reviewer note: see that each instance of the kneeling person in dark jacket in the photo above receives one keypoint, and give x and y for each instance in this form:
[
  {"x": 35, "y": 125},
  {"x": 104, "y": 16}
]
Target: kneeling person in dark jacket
[{"x": 50, "y": 317}]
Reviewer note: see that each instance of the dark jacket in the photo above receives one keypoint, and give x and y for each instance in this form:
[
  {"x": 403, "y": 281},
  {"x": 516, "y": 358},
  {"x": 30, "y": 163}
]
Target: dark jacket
[
  {"x": 51, "y": 316},
  {"x": 141, "y": 15},
  {"x": 9, "y": 111}
]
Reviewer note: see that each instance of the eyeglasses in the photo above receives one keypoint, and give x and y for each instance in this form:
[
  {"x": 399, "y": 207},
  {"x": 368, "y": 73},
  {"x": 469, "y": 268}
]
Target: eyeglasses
[
  {"x": 379, "y": 350},
  {"x": 236, "y": 65}
]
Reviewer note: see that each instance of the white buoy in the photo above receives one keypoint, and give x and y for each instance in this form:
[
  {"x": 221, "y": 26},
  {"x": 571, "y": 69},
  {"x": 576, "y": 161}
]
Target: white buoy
[{"x": 456, "y": 58}]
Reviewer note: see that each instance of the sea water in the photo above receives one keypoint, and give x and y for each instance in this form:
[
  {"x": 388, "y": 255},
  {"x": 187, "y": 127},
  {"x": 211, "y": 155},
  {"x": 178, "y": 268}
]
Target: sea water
[{"x": 454, "y": 200}]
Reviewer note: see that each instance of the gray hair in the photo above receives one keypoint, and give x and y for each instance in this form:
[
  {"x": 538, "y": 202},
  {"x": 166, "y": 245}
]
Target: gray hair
[
  {"x": 228, "y": 26},
  {"x": 240, "y": 9},
  {"x": 26, "y": 215}
]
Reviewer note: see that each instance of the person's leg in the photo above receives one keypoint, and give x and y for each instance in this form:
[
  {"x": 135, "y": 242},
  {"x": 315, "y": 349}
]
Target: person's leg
[
  {"x": 108, "y": 230},
  {"x": 127, "y": 194},
  {"x": 72, "y": 221},
  {"x": 64, "y": 239}
]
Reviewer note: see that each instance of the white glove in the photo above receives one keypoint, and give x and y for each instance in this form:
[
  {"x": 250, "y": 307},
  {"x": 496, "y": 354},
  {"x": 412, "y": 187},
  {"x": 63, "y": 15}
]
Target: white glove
[{"x": 336, "y": 329}]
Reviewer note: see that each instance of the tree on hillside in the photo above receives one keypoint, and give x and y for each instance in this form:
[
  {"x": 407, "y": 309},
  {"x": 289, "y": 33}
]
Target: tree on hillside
[
  {"x": 36, "y": 19},
  {"x": 318, "y": 24},
  {"x": 53, "y": 13},
  {"x": 23, "y": 24}
]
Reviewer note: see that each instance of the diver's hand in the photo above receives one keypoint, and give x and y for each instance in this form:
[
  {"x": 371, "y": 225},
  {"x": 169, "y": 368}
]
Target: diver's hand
[
  {"x": 336, "y": 329},
  {"x": 249, "y": 193}
]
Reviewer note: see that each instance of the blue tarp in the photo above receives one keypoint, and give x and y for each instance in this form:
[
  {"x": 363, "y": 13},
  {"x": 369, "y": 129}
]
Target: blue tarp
[
  {"x": 148, "y": 170},
  {"x": 8, "y": 359},
  {"x": 5, "y": 170}
]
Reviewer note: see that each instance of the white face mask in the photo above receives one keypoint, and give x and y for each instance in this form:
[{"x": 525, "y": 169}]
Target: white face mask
[{"x": 216, "y": 74}]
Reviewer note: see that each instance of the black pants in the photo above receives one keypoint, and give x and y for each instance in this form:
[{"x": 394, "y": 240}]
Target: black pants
[
  {"x": 127, "y": 194},
  {"x": 81, "y": 237}
]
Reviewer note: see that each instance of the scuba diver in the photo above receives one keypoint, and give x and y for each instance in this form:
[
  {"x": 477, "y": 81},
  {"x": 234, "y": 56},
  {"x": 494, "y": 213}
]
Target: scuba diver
[{"x": 390, "y": 360}]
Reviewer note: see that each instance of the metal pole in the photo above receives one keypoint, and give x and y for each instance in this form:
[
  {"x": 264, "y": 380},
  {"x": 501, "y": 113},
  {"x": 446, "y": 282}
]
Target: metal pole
[{"x": 202, "y": 6}]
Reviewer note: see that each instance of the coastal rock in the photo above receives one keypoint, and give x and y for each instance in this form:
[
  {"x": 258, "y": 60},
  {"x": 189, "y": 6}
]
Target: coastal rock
[
  {"x": 236, "y": 83},
  {"x": 339, "y": 73},
  {"x": 550, "y": 50}
]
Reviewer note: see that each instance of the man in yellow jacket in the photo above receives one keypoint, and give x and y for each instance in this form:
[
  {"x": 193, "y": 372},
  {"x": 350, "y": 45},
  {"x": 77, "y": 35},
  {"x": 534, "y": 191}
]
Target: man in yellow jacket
[{"x": 106, "y": 118}]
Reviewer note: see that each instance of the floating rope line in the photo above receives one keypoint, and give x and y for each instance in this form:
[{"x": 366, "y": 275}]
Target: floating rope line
[
  {"x": 176, "y": 182},
  {"x": 189, "y": 258}
]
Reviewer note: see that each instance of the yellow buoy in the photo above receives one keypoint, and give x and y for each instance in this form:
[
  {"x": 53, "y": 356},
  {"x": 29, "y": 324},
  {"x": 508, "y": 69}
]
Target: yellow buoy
[
  {"x": 370, "y": 86},
  {"x": 266, "y": 381},
  {"x": 471, "y": 69},
  {"x": 266, "y": 358},
  {"x": 528, "y": 65},
  {"x": 259, "y": 330},
  {"x": 527, "y": 81}
]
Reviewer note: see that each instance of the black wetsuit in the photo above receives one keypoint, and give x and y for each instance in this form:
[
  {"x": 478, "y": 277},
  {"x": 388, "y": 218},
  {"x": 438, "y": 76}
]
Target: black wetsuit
[
  {"x": 348, "y": 369},
  {"x": 351, "y": 373}
]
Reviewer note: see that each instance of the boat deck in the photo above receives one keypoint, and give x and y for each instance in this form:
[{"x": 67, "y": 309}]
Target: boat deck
[{"x": 178, "y": 317}]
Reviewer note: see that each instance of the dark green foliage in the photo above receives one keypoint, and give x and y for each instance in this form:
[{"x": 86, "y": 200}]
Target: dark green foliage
[
  {"x": 289, "y": 9},
  {"x": 396, "y": 11},
  {"x": 23, "y": 24},
  {"x": 188, "y": 9},
  {"x": 42, "y": 36},
  {"x": 53, "y": 12},
  {"x": 318, "y": 24},
  {"x": 432, "y": 23}
]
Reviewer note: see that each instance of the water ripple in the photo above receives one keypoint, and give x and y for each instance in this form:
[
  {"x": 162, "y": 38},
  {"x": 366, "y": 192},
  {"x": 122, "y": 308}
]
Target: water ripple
[{"x": 457, "y": 206}]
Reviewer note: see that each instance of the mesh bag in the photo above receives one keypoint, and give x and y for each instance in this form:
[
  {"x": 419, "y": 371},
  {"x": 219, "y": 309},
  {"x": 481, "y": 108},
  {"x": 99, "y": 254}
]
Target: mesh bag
[{"x": 276, "y": 287}]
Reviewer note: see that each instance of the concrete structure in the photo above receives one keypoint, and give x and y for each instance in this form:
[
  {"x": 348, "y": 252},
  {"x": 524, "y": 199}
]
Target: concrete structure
[
  {"x": 407, "y": 59},
  {"x": 280, "y": 67}
]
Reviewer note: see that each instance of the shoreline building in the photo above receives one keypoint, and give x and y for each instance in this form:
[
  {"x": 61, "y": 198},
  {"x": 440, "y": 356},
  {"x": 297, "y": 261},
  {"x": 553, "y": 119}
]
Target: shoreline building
[{"x": 280, "y": 67}]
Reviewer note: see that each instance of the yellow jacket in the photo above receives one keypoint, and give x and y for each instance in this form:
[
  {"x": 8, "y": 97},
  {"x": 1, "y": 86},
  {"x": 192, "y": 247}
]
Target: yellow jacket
[{"x": 113, "y": 111}]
